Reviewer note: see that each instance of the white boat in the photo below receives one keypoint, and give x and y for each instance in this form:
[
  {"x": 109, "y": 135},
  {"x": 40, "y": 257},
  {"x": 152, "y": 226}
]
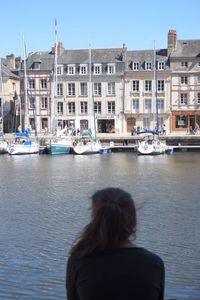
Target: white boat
[
  {"x": 3, "y": 147},
  {"x": 86, "y": 146},
  {"x": 23, "y": 145},
  {"x": 151, "y": 144}
]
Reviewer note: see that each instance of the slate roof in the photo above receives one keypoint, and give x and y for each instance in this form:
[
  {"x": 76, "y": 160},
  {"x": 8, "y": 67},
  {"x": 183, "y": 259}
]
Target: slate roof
[
  {"x": 187, "y": 48},
  {"x": 6, "y": 73}
]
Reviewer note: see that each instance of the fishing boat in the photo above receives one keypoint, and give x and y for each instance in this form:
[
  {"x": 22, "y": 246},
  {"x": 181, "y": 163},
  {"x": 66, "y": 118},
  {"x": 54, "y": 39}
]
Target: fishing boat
[
  {"x": 22, "y": 144},
  {"x": 151, "y": 144}
]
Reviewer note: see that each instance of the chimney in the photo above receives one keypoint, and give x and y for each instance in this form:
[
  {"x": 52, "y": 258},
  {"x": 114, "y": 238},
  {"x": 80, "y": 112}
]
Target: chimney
[
  {"x": 10, "y": 61},
  {"x": 172, "y": 41},
  {"x": 60, "y": 48}
]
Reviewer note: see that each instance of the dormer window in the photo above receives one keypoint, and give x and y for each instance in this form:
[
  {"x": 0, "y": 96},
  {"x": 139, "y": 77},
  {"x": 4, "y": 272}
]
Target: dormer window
[
  {"x": 161, "y": 65},
  {"x": 148, "y": 65},
  {"x": 71, "y": 69},
  {"x": 59, "y": 70},
  {"x": 97, "y": 69},
  {"x": 83, "y": 69},
  {"x": 135, "y": 66},
  {"x": 36, "y": 65},
  {"x": 111, "y": 69}
]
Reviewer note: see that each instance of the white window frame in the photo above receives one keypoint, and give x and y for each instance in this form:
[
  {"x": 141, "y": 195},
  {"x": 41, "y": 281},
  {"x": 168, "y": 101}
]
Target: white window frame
[
  {"x": 59, "y": 89},
  {"x": 111, "y": 107},
  {"x": 83, "y": 89},
  {"x": 97, "y": 69},
  {"x": 97, "y": 88},
  {"x": 148, "y": 65},
  {"x": 160, "y": 85},
  {"x": 71, "y": 89},
  {"x": 146, "y": 123},
  {"x": 43, "y": 102},
  {"x": 111, "y": 89},
  {"x": 71, "y": 69},
  {"x": 43, "y": 83},
  {"x": 111, "y": 69},
  {"x": 60, "y": 108},
  {"x": 161, "y": 65},
  {"x": 31, "y": 83},
  {"x": 198, "y": 98},
  {"x": 135, "y": 105},
  {"x": 184, "y": 80},
  {"x": 32, "y": 102},
  {"x": 147, "y": 105},
  {"x": 148, "y": 86},
  {"x": 83, "y": 69},
  {"x": 184, "y": 64},
  {"x": 135, "y": 65},
  {"x": 135, "y": 85},
  {"x": 83, "y": 108},
  {"x": 183, "y": 98},
  {"x": 160, "y": 105},
  {"x": 71, "y": 108},
  {"x": 97, "y": 107},
  {"x": 59, "y": 70}
]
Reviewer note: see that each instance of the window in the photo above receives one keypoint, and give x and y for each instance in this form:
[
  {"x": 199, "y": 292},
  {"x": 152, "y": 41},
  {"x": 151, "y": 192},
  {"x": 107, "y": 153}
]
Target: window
[
  {"x": 71, "y": 69},
  {"x": 84, "y": 107},
  {"x": 135, "y": 66},
  {"x": 148, "y": 65},
  {"x": 111, "y": 69},
  {"x": 71, "y": 108},
  {"x": 147, "y": 105},
  {"x": 97, "y": 107},
  {"x": 111, "y": 107},
  {"x": 97, "y": 69},
  {"x": 60, "y": 108},
  {"x": 43, "y": 102},
  {"x": 135, "y": 105},
  {"x": 83, "y": 69},
  {"x": 31, "y": 83},
  {"x": 148, "y": 85},
  {"x": 160, "y": 105},
  {"x": 198, "y": 79},
  {"x": 198, "y": 98},
  {"x": 160, "y": 85},
  {"x": 97, "y": 89},
  {"x": 184, "y": 64},
  {"x": 161, "y": 65},
  {"x": 146, "y": 123},
  {"x": 181, "y": 121},
  {"x": 43, "y": 83},
  {"x": 32, "y": 102},
  {"x": 59, "y": 89},
  {"x": 111, "y": 88},
  {"x": 83, "y": 86},
  {"x": 135, "y": 85},
  {"x": 59, "y": 70},
  {"x": 183, "y": 98},
  {"x": 184, "y": 80},
  {"x": 71, "y": 89}
]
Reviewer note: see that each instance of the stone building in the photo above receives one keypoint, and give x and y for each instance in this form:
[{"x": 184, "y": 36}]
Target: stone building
[{"x": 184, "y": 56}]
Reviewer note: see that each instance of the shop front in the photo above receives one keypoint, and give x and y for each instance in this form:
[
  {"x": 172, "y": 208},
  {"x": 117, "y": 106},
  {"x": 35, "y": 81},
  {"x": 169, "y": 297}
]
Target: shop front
[
  {"x": 185, "y": 120},
  {"x": 106, "y": 126}
]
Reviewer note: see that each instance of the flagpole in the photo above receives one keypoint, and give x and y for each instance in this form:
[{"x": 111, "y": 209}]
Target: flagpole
[
  {"x": 2, "y": 102},
  {"x": 26, "y": 114}
]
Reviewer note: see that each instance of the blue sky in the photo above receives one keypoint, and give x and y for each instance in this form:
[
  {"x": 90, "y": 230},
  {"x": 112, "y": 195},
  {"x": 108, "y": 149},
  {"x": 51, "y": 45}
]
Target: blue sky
[{"x": 103, "y": 24}]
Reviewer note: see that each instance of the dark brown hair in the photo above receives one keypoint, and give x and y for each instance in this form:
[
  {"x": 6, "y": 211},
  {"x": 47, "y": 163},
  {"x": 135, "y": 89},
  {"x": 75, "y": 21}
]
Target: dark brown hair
[{"x": 113, "y": 221}]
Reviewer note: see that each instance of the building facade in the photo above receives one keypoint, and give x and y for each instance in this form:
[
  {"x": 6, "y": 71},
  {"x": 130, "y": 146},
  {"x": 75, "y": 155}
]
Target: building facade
[{"x": 113, "y": 90}]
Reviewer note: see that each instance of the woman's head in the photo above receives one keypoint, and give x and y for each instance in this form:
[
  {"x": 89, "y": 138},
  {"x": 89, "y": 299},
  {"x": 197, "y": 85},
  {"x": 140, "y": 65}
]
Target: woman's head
[{"x": 113, "y": 221}]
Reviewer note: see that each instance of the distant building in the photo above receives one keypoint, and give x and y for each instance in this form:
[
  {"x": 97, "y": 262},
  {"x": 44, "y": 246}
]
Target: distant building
[{"x": 113, "y": 89}]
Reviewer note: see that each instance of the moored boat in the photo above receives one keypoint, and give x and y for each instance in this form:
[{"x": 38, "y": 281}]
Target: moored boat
[
  {"x": 23, "y": 145},
  {"x": 151, "y": 144},
  {"x": 60, "y": 146}
]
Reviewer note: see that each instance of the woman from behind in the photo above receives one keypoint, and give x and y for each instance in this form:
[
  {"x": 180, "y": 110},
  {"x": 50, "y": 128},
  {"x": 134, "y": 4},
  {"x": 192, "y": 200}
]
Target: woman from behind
[{"x": 104, "y": 263}]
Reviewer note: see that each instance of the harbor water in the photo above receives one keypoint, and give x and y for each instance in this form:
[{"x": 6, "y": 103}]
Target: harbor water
[{"x": 44, "y": 203}]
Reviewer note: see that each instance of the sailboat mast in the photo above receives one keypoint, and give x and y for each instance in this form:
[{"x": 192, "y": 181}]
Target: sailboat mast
[
  {"x": 1, "y": 96},
  {"x": 91, "y": 99},
  {"x": 55, "y": 80},
  {"x": 26, "y": 115},
  {"x": 154, "y": 88}
]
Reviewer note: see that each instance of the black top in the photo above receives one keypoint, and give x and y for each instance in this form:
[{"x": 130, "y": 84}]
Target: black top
[{"x": 123, "y": 274}]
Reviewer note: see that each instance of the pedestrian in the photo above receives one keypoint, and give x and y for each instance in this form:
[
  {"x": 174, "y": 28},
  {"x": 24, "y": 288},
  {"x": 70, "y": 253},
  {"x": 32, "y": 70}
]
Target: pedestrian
[
  {"x": 163, "y": 129},
  {"x": 105, "y": 263}
]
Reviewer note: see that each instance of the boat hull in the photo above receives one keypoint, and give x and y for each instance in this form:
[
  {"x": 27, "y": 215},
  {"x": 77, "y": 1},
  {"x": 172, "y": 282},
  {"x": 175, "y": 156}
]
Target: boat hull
[
  {"x": 156, "y": 148},
  {"x": 58, "y": 149},
  {"x": 15, "y": 149},
  {"x": 87, "y": 148},
  {"x": 3, "y": 147}
]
